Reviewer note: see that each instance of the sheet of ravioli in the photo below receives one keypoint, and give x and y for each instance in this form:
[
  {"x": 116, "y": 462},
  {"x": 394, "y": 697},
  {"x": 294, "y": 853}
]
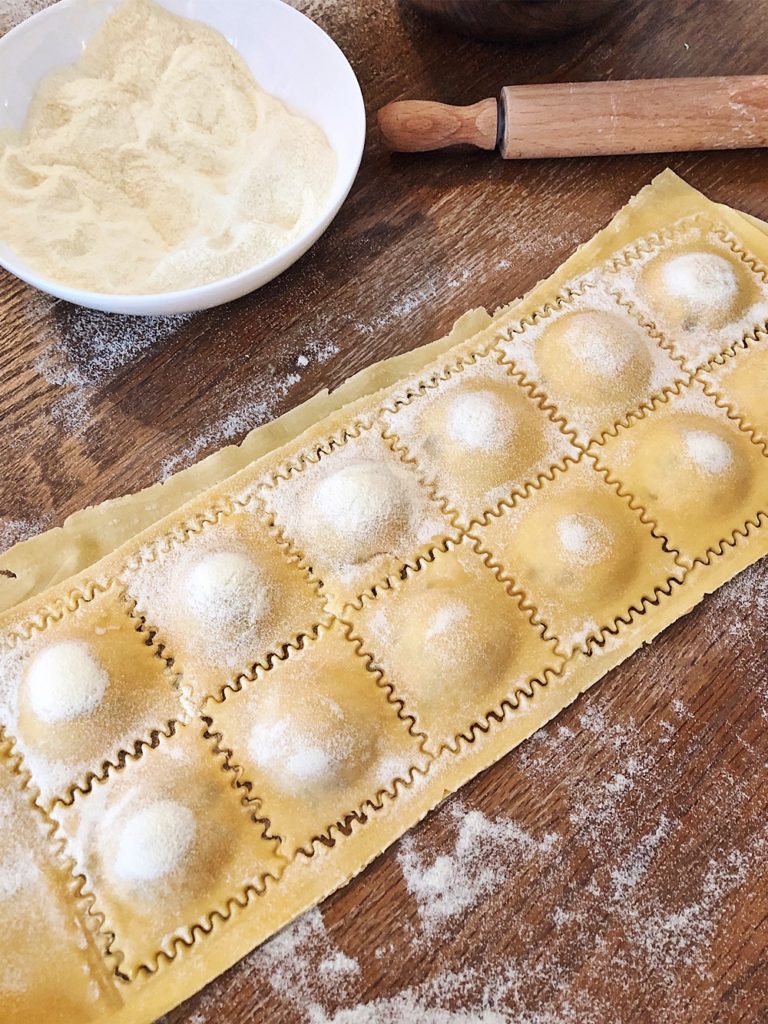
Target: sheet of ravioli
[{"x": 230, "y": 715}]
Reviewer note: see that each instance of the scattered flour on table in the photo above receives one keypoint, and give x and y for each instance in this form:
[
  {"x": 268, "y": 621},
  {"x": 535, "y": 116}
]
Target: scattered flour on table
[
  {"x": 245, "y": 416},
  {"x": 301, "y": 963},
  {"x": 422, "y": 1004},
  {"x": 99, "y": 344},
  {"x": 484, "y": 853},
  {"x": 233, "y": 425},
  {"x": 14, "y": 531},
  {"x": 13, "y": 12},
  {"x": 673, "y": 939},
  {"x": 86, "y": 349},
  {"x": 521, "y": 245},
  {"x": 316, "y": 352},
  {"x": 597, "y": 817},
  {"x": 739, "y": 609},
  {"x": 626, "y": 877},
  {"x": 737, "y": 614},
  {"x": 678, "y": 706},
  {"x": 435, "y": 286}
]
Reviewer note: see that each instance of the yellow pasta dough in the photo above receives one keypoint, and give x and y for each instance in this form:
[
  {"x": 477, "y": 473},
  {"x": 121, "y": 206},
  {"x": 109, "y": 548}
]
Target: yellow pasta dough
[
  {"x": 697, "y": 285},
  {"x": 693, "y": 473},
  {"x": 738, "y": 381},
  {"x": 593, "y": 357},
  {"x": 481, "y": 433},
  {"x": 218, "y": 723},
  {"x": 453, "y": 637},
  {"x": 79, "y": 692},
  {"x": 163, "y": 846},
  {"x": 578, "y": 552},
  {"x": 315, "y": 737},
  {"x": 228, "y": 589}
]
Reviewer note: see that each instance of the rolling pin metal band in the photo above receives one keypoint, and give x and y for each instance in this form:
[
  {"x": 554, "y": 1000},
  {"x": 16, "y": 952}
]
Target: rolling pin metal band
[{"x": 591, "y": 118}]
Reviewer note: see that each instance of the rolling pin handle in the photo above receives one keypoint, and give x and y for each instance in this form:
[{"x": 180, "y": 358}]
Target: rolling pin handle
[{"x": 415, "y": 126}]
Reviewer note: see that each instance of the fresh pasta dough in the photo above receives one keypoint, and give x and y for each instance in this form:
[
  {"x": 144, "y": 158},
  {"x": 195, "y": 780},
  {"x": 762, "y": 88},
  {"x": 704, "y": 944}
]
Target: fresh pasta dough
[{"x": 228, "y": 716}]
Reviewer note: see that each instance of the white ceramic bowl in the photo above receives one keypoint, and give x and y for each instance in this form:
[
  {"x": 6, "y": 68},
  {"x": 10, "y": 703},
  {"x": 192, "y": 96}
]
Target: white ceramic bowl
[{"x": 289, "y": 56}]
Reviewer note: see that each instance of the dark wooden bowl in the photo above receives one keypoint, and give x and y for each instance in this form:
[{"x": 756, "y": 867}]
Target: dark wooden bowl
[{"x": 506, "y": 20}]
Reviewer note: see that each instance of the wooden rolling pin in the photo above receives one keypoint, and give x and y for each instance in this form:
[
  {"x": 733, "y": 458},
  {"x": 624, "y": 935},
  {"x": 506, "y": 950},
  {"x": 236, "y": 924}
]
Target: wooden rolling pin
[{"x": 658, "y": 115}]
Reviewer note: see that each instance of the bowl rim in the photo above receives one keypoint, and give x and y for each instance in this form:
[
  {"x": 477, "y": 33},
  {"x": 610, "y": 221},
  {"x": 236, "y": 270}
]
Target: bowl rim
[{"x": 206, "y": 295}]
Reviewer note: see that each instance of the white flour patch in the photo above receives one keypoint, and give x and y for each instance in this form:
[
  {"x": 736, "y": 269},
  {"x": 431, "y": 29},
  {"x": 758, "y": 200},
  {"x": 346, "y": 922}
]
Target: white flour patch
[
  {"x": 672, "y": 940},
  {"x": 679, "y": 708},
  {"x": 14, "y": 531},
  {"x": 87, "y": 349},
  {"x": 604, "y": 353},
  {"x": 450, "y": 617},
  {"x": 300, "y": 963},
  {"x": 285, "y": 953},
  {"x": 701, "y": 279},
  {"x": 585, "y": 537},
  {"x": 434, "y": 287},
  {"x": 626, "y": 877},
  {"x": 65, "y": 681},
  {"x": 320, "y": 351},
  {"x": 234, "y": 425},
  {"x": 597, "y": 819},
  {"x": 739, "y": 609},
  {"x": 155, "y": 840},
  {"x": 13, "y": 12},
  {"x": 480, "y": 421},
  {"x": 103, "y": 343},
  {"x": 708, "y": 452},
  {"x": 485, "y": 852},
  {"x": 303, "y": 965}
]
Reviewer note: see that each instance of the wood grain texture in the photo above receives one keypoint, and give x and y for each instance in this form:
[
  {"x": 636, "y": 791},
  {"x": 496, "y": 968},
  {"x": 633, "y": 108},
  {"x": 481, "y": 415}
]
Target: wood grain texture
[
  {"x": 626, "y": 870},
  {"x": 653, "y": 116},
  {"x": 416, "y": 126}
]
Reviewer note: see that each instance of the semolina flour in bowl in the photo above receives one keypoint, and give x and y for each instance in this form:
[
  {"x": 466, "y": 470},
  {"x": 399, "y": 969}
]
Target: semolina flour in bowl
[{"x": 157, "y": 163}]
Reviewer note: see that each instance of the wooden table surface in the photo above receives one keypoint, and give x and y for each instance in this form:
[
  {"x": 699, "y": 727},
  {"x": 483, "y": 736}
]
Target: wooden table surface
[{"x": 612, "y": 869}]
